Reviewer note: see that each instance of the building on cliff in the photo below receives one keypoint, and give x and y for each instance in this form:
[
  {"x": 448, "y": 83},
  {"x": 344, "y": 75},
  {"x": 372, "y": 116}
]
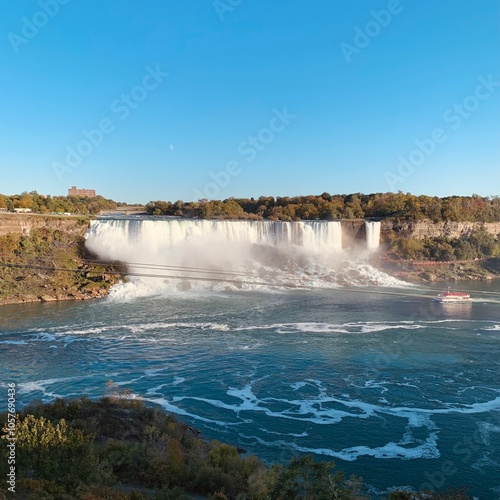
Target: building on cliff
[{"x": 83, "y": 193}]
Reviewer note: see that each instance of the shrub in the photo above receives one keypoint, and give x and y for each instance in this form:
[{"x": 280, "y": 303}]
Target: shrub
[{"x": 53, "y": 452}]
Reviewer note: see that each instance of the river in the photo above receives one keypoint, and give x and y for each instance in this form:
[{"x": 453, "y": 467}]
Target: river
[{"x": 391, "y": 386}]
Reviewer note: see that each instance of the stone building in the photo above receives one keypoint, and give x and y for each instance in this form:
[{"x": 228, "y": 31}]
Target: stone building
[{"x": 83, "y": 193}]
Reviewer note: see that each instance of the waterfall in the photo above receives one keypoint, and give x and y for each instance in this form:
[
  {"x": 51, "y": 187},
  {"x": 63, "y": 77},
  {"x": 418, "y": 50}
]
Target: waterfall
[
  {"x": 221, "y": 255},
  {"x": 208, "y": 241},
  {"x": 372, "y": 234}
]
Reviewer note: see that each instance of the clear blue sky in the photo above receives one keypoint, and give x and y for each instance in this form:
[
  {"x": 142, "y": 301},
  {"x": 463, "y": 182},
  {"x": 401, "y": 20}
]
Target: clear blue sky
[{"x": 356, "y": 102}]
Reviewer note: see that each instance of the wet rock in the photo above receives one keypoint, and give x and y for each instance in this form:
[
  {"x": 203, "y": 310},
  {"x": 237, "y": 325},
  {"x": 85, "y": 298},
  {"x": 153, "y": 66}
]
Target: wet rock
[{"x": 48, "y": 298}]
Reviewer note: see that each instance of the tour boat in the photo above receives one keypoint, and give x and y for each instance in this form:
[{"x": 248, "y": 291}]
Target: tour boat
[{"x": 450, "y": 296}]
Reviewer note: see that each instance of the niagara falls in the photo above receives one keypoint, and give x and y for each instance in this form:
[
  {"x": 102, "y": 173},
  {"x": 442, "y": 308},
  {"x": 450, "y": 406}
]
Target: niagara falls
[{"x": 265, "y": 254}]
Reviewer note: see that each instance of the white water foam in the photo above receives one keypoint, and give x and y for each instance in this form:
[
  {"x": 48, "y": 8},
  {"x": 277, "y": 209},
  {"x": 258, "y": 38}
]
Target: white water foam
[
  {"x": 351, "y": 327},
  {"x": 314, "y": 410},
  {"x": 165, "y": 331},
  {"x": 168, "y": 406},
  {"x": 427, "y": 449},
  {"x": 492, "y": 328},
  {"x": 42, "y": 386},
  {"x": 298, "y": 385}
]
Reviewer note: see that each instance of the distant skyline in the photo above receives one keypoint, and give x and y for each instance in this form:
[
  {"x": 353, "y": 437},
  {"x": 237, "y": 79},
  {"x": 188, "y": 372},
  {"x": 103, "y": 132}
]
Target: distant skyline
[{"x": 219, "y": 98}]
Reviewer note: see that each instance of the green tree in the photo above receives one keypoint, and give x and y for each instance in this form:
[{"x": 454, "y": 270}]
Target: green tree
[
  {"x": 306, "y": 479},
  {"x": 53, "y": 452}
]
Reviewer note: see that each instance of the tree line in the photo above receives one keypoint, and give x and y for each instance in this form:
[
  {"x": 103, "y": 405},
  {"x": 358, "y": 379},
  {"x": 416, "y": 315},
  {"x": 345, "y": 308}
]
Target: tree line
[
  {"x": 341, "y": 206},
  {"x": 399, "y": 205},
  {"x": 42, "y": 204}
]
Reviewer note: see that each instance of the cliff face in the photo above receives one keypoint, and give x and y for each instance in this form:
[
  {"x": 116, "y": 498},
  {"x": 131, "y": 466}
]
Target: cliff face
[
  {"x": 354, "y": 230},
  {"x": 351, "y": 229},
  {"x": 25, "y": 223},
  {"x": 429, "y": 229},
  {"x": 43, "y": 258}
]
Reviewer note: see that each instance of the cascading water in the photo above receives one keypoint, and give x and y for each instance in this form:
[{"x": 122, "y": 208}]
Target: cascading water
[
  {"x": 229, "y": 254},
  {"x": 120, "y": 239},
  {"x": 372, "y": 234}
]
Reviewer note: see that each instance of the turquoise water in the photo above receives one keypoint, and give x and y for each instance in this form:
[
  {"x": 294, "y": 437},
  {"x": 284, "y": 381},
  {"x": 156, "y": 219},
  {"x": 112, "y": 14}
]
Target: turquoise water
[{"x": 395, "y": 388}]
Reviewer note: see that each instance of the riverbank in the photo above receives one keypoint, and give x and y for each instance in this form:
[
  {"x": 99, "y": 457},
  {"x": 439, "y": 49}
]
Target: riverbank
[
  {"x": 44, "y": 259},
  {"x": 431, "y": 271},
  {"x": 56, "y": 297}
]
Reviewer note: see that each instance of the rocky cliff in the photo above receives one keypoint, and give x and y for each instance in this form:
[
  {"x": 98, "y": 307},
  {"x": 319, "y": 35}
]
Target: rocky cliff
[
  {"x": 429, "y": 229},
  {"x": 25, "y": 223},
  {"x": 43, "y": 258}
]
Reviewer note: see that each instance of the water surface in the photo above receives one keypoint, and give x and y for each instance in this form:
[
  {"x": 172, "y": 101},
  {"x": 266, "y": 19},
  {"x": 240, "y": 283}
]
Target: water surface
[{"x": 391, "y": 387}]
